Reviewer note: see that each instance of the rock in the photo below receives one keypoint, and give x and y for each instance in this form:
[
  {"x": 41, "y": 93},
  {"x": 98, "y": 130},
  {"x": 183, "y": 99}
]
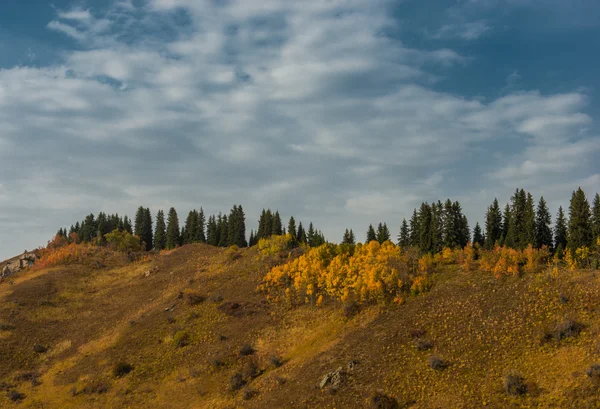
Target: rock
[{"x": 336, "y": 379}]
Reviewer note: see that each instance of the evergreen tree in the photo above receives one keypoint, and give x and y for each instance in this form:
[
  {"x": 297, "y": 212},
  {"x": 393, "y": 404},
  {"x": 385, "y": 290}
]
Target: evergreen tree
[
  {"x": 212, "y": 236},
  {"x": 224, "y": 232},
  {"x": 200, "y": 236},
  {"x": 127, "y": 225},
  {"x": 560, "y": 231},
  {"x": 237, "y": 227},
  {"x": 371, "y": 235},
  {"x": 269, "y": 222},
  {"x": 251, "y": 239},
  {"x": 530, "y": 229},
  {"x": 425, "y": 225},
  {"x": 173, "y": 233},
  {"x": 346, "y": 238},
  {"x": 292, "y": 230},
  {"x": 493, "y": 225},
  {"x": 160, "y": 234},
  {"x": 383, "y": 233},
  {"x": 580, "y": 226},
  {"x": 506, "y": 221},
  {"x": 190, "y": 227},
  {"x": 352, "y": 237},
  {"x": 311, "y": 237},
  {"x": 478, "y": 236},
  {"x": 301, "y": 235},
  {"x": 88, "y": 229},
  {"x": 415, "y": 229},
  {"x": 437, "y": 226},
  {"x": 596, "y": 217},
  {"x": 277, "y": 226},
  {"x": 404, "y": 236},
  {"x": 450, "y": 230},
  {"x": 465, "y": 232},
  {"x": 140, "y": 217},
  {"x": 261, "y": 232},
  {"x": 543, "y": 232}
]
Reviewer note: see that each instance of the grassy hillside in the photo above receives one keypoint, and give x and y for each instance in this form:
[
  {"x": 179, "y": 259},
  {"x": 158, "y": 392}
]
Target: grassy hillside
[{"x": 188, "y": 329}]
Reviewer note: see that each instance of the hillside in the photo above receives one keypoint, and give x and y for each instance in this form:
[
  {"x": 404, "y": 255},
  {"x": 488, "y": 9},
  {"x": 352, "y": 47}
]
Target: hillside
[{"x": 182, "y": 320}]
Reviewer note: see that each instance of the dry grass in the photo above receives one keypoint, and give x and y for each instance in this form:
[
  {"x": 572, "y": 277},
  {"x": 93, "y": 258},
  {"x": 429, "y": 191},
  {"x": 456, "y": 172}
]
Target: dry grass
[{"x": 485, "y": 328}]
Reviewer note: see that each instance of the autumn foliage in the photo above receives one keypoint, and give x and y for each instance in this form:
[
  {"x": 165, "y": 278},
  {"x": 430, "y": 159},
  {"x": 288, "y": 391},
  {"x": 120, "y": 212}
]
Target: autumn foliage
[{"x": 365, "y": 273}]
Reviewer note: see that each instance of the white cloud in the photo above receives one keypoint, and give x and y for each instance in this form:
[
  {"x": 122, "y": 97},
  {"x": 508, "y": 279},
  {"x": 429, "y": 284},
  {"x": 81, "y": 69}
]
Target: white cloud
[
  {"x": 313, "y": 111},
  {"x": 466, "y": 31}
]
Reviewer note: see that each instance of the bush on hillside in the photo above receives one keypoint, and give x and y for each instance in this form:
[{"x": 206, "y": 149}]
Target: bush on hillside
[
  {"x": 120, "y": 369},
  {"x": 382, "y": 401},
  {"x": 514, "y": 384}
]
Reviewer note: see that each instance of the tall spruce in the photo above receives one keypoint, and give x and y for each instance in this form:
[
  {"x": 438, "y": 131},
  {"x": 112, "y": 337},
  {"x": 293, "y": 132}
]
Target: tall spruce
[
  {"x": 237, "y": 227},
  {"x": 212, "y": 234},
  {"x": 277, "y": 225},
  {"x": 425, "y": 217},
  {"x": 543, "y": 220},
  {"x": 493, "y": 225},
  {"x": 292, "y": 230},
  {"x": 173, "y": 232},
  {"x": 311, "y": 235},
  {"x": 580, "y": 221},
  {"x": 415, "y": 229},
  {"x": 371, "y": 235},
  {"x": 530, "y": 219},
  {"x": 560, "y": 231},
  {"x": 200, "y": 236},
  {"x": 596, "y": 217},
  {"x": 437, "y": 226},
  {"x": 506, "y": 221},
  {"x": 404, "y": 236},
  {"x": 224, "y": 231},
  {"x": 478, "y": 238},
  {"x": 190, "y": 227},
  {"x": 160, "y": 234},
  {"x": 383, "y": 233},
  {"x": 301, "y": 234}
]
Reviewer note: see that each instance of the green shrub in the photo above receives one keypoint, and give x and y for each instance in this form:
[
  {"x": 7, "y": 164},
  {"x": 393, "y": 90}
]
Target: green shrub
[{"x": 120, "y": 369}]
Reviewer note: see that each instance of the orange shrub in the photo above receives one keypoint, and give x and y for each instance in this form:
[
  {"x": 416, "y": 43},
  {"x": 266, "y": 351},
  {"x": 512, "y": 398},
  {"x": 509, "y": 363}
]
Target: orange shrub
[{"x": 365, "y": 273}]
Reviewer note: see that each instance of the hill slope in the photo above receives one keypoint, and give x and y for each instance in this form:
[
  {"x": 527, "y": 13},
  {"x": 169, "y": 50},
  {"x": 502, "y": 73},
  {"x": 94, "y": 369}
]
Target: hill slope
[{"x": 182, "y": 318}]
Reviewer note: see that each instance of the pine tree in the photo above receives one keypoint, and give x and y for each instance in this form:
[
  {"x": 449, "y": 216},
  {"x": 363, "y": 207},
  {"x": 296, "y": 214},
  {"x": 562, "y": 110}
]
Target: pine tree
[
  {"x": 478, "y": 238},
  {"x": 311, "y": 235},
  {"x": 465, "y": 232},
  {"x": 352, "y": 237},
  {"x": 383, "y": 233},
  {"x": 371, "y": 234},
  {"x": 173, "y": 233},
  {"x": 493, "y": 225},
  {"x": 292, "y": 230},
  {"x": 301, "y": 235},
  {"x": 200, "y": 236},
  {"x": 160, "y": 234},
  {"x": 190, "y": 227},
  {"x": 596, "y": 217},
  {"x": 346, "y": 237},
  {"x": 506, "y": 221},
  {"x": 450, "y": 227},
  {"x": 261, "y": 232},
  {"x": 127, "y": 225},
  {"x": 580, "y": 226},
  {"x": 277, "y": 226},
  {"x": 269, "y": 221},
  {"x": 437, "y": 226},
  {"x": 251, "y": 239},
  {"x": 560, "y": 231},
  {"x": 224, "y": 232},
  {"x": 139, "y": 223},
  {"x": 425, "y": 225},
  {"x": 211, "y": 231},
  {"x": 543, "y": 232},
  {"x": 404, "y": 236},
  {"x": 415, "y": 229},
  {"x": 237, "y": 227},
  {"x": 530, "y": 229}
]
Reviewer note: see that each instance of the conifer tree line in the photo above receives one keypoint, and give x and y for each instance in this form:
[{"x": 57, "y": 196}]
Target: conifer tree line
[
  {"x": 520, "y": 223},
  {"x": 270, "y": 224},
  {"x": 433, "y": 227},
  {"x": 524, "y": 223}
]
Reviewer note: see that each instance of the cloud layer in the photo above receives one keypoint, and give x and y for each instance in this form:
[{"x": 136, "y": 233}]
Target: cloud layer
[{"x": 317, "y": 108}]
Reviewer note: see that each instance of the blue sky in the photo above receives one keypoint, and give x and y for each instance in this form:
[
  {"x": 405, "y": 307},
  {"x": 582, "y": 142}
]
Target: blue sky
[{"x": 343, "y": 112}]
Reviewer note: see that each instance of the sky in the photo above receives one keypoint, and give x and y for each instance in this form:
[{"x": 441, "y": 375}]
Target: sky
[{"x": 339, "y": 112}]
